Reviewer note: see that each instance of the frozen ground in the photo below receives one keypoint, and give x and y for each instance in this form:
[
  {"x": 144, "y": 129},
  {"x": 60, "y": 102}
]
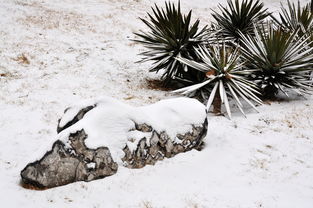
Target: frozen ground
[{"x": 79, "y": 49}]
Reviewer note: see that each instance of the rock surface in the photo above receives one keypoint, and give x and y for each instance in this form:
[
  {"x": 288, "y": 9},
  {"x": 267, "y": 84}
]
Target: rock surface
[
  {"x": 96, "y": 137},
  {"x": 159, "y": 145},
  {"x": 63, "y": 165}
]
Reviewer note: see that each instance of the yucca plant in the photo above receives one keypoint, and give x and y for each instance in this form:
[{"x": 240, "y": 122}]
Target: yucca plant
[
  {"x": 171, "y": 35},
  {"x": 239, "y": 17},
  {"x": 279, "y": 60},
  {"x": 224, "y": 78},
  {"x": 296, "y": 18}
]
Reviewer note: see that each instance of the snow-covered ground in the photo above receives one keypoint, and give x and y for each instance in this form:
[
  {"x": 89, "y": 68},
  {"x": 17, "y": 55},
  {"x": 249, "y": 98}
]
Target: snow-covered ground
[{"x": 56, "y": 53}]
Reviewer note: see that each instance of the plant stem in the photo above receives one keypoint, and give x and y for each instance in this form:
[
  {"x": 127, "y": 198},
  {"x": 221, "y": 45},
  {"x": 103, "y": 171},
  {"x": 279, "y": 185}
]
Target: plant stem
[{"x": 217, "y": 103}]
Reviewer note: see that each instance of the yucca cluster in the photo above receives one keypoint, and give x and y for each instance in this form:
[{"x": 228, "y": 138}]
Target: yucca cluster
[{"x": 246, "y": 54}]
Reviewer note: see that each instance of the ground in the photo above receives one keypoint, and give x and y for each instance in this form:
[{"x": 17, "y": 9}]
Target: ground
[{"x": 56, "y": 53}]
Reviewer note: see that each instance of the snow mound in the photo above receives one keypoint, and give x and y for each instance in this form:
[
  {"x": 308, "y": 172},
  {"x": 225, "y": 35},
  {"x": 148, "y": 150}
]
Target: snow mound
[{"x": 111, "y": 123}]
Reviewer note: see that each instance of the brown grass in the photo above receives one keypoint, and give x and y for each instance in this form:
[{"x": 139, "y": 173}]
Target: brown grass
[
  {"x": 48, "y": 19},
  {"x": 4, "y": 74},
  {"x": 155, "y": 84},
  {"x": 146, "y": 204},
  {"x": 31, "y": 187},
  {"x": 22, "y": 59}
]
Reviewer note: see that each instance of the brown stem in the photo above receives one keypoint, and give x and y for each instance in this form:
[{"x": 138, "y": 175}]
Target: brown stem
[{"x": 217, "y": 103}]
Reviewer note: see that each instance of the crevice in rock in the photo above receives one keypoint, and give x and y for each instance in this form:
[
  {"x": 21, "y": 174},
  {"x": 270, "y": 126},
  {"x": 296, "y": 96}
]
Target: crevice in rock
[{"x": 76, "y": 118}]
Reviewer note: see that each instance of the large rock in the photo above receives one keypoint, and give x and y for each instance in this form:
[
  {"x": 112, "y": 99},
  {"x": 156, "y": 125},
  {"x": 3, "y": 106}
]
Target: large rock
[
  {"x": 98, "y": 135},
  {"x": 63, "y": 165}
]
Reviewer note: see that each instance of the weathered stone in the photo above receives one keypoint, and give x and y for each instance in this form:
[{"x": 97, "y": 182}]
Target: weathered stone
[
  {"x": 63, "y": 165},
  {"x": 160, "y": 146},
  {"x": 143, "y": 127},
  {"x": 71, "y": 160}
]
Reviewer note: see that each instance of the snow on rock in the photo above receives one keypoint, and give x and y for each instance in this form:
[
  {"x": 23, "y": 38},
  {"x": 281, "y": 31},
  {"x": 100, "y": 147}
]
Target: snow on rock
[
  {"x": 96, "y": 135},
  {"x": 109, "y": 123}
]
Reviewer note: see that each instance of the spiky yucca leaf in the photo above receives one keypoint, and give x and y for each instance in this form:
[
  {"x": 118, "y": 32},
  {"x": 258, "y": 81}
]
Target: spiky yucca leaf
[
  {"x": 279, "y": 60},
  {"x": 171, "y": 35},
  {"x": 239, "y": 17},
  {"x": 296, "y": 18},
  {"x": 224, "y": 77}
]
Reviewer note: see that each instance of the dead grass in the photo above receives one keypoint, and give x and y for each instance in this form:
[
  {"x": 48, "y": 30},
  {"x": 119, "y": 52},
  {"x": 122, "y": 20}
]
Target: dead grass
[
  {"x": 22, "y": 59},
  {"x": 31, "y": 187},
  {"x": 5, "y": 74},
  {"x": 191, "y": 203},
  {"x": 48, "y": 19},
  {"x": 146, "y": 204},
  {"x": 155, "y": 84}
]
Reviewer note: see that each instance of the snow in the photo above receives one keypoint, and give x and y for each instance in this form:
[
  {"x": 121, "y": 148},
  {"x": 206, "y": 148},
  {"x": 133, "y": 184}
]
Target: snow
[
  {"x": 81, "y": 49},
  {"x": 110, "y": 123},
  {"x": 71, "y": 112},
  {"x": 91, "y": 165}
]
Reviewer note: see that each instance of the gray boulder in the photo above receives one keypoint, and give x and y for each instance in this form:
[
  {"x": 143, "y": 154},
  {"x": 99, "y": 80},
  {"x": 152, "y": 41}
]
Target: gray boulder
[
  {"x": 62, "y": 165},
  {"x": 95, "y": 137}
]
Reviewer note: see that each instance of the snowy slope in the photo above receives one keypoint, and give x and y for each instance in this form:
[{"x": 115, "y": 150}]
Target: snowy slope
[{"x": 81, "y": 49}]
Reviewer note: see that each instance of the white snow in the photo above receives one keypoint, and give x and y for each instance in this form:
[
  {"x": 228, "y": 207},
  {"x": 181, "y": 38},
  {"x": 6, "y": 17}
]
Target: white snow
[
  {"x": 81, "y": 49},
  {"x": 134, "y": 137},
  {"x": 110, "y": 123}
]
